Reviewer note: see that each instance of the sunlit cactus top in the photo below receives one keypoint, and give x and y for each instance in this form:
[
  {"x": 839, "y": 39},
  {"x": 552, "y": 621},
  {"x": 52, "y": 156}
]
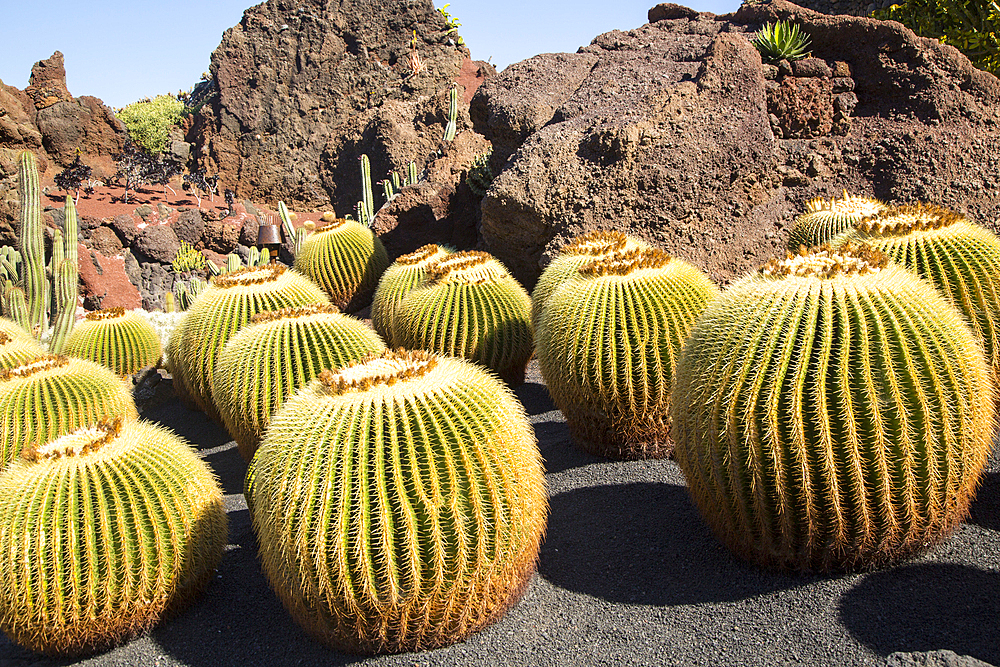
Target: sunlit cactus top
[
  {"x": 626, "y": 263},
  {"x": 825, "y": 219},
  {"x": 421, "y": 254},
  {"x": 828, "y": 262},
  {"x": 469, "y": 267},
  {"x": 902, "y": 220},
  {"x": 104, "y": 314},
  {"x": 249, "y": 277},
  {"x": 385, "y": 369}
]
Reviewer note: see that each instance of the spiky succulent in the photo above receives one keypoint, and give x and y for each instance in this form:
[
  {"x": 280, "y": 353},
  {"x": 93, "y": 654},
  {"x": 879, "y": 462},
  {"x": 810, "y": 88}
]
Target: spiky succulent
[
  {"x": 825, "y": 219},
  {"x": 16, "y": 350},
  {"x": 782, "y": 40},
  {"x": 961, "y": 258},
  {"x": 402, "y": 275},
  {"x": 469, "y": 306},
  {"x": 346, "y": 259},
  {"x": 276, "y": 354},
  {"x": 399, "y": 502},
  {"x": 220, "y": 310},
  {"x": 831, "y": 411},
  {"x": 104, "y": 530},
  {"x": 120, "y": 339},
  {"x": 607, "y": 342},
  {"x": 52, "y": 395},
  {"x": 581, "y": 250},
  {"x": 13, "y": 329}
]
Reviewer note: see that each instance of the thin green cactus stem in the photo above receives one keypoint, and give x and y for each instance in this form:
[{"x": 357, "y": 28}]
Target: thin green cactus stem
[
  {"x": 412, "y": 176},
  {"x": 16, "y": 305},
  {"x": 399, "y": 503},
  {"x": 30, "y": 240},
  {"x": 71, "y": 233},
  {"x": 367, "y": 213},
  {"x": 402, "y": 276},
  {"x": 452, "y": 126},
  {"x": 64, "y": 310},
  {"x": 286, "y": 220},
  {"x": 832, "y": 411}
]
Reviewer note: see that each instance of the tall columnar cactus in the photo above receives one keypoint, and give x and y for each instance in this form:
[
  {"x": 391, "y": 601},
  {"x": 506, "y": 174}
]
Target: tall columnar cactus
[
  {"x": 469, "y": 306},
  {"x": 832, "y": 411},
  {"x": 52, "y": 395},
  {"x": 105, "y": 529},
  {"x": 119, "y": 339},
  {"x": 452, "y": 126},
  {"x": 346, "y": 259},
  {"x": 582, "y": 250},
  {"x": 825, "y": 219},
  {"x": 961, "y": 258},
  {"x": 399, "y": 503},
  {"x": 367, "y": 203},
  {"x": 607, "y": 345},
  {"x": 223, "y": 307},
  {"x": 277, "y": 353},
  {"x": 402, "y": 275},
  {"x": 30, "y": 241},
  {"x": 17, "y": 350}
]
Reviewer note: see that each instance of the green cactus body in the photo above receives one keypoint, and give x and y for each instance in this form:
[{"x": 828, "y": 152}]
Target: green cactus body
[
  {"x": 832, "y": 411},
  {"x": 17, "y": 350},
  {"x": 217, "y": 314},
  {"x": 346, "y": 259},
  {"x": 31, "y": 246},
  {"x": 399, "y": 503},
  {"x": 14, "y": 330},
  {"x": 51, "y": 395},
  {"x": 825, "y": 219},
  {"x": 607, "y": 345},
  {"x": 104, "y": 530},
  {"x": 469, "y": 306},
  {"x": 402, "y": 275},
  {"x": 277, "y": 353},
  {"x": 122, "y": 340},
  {"x": 961, "y": 258},
  {"x": 582, "y": 250}
]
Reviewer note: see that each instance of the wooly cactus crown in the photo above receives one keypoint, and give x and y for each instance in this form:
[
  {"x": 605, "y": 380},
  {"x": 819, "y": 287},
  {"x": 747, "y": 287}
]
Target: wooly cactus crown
[
  {"x": 220, "y": 310},
  {"x": 469, "y": 306},
  {"x": 346, "y": 259},
  {"x": 399, "y": 502},
  {"x": 124, "y": 341},
  {"x": 105, "y": 529},
  {"x": 825, "y": 219},
  {"x": 607, "y": 343},
  {"x": 402, "y": 275},
  {"x": 581, "y": 250},
  {"x": 274, "y": 355},
  {"x": 831, "y": 411},
  {"x": 16, "y": 350},
  {"x": 52, "y": 395},
  {"x": 961, "y": 258}
]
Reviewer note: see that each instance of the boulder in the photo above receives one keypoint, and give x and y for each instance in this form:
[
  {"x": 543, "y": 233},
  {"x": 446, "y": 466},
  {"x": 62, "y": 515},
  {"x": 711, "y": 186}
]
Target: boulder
[
  {"x": 156, "y": 243},
  {"x": 672, "y": 136},
  {"x": 104, "y": 240},
  {"x": 47, "y": 85},
  {"x": 190, "y": 226},
  {"x": 104, "y": 282}
]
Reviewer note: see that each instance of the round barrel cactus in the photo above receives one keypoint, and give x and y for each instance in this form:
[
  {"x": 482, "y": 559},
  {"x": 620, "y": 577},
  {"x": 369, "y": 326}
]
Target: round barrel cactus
[
  {"x": 469, "y": 306},
  {"x": 583, "y": 249},
  {"x": 105, "y": 529},
  {"x": 402, "y": 275},
  {"x": 824, "y": 219},
  {"x": 16, "y": 350},
  {"x": 274, "y": 355},
  {"x": 220, "y": 310},
  {"x": 398, "y": 502},
  {"x": 832, "y": 411},
  {"x": 961, "y": 258},
  {"x": 14, "y": 330},
  {"x": 346, "y": 259},
  {"x": 52, "y": 395},
  {"x": 120, "y": 339},
  {"x": 607, "y": 345}
]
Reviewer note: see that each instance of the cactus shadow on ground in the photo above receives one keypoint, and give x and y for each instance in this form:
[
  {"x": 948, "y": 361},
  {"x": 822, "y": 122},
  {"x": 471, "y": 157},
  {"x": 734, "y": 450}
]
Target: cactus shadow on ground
[
  {"x": 925, "y": 607},
  {"x": 985, "y": 509}
]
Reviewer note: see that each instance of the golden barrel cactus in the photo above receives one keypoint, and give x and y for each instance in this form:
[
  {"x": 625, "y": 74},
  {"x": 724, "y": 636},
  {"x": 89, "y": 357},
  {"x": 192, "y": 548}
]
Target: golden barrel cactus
[
  {"x": 832, "y": 411},
  {"x": 346, "y": 259},
  {"x": 273, "y": 356},
  {"x": 16, "y": 350},
  {"x": 123, "y": 340},
  {"x": 607, "y": 343},
  {"x": 399, "y": 503},
  {"x": 396, "y": 282},
  {"x": 104, "y": 530},
  {"x": 825, "y": 219}
]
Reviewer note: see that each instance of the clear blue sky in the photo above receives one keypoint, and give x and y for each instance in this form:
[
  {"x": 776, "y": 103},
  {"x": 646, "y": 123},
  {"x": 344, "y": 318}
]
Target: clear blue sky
[{"x": 124, "y": 51}]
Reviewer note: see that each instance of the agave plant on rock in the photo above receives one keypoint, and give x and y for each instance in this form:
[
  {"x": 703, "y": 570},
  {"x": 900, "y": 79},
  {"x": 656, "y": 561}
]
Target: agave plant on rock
[{"x": 782, "y": 40}]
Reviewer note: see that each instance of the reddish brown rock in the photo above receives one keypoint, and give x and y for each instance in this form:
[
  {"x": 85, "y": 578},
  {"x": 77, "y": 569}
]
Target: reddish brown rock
[
  {"x": 156, "y": 243},
  {"x": 104, "y": 240},
  {"x": 104, "y": 283},
  {"x": 47, "y": 84},
  {"x": 803, "y": 107}
]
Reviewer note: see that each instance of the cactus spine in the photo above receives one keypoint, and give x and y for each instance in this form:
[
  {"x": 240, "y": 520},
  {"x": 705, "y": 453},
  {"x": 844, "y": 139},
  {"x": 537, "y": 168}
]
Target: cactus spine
[
  {"x": 121, "y": 340},
  {"x": 825, "y": 219},
  {"x": 418, "y": 517},
  {"x": 346, "y": 259},
  {"x": 831, "y": 411},
  {"x": 607, "y": 345},
  {"x": 277, "y": 353},
  {"x": 402, "y": 275},
  {"x": 469, "y": 306},
  {"x": 105, "y": 529},
  {"x": 51, "y": 395}
]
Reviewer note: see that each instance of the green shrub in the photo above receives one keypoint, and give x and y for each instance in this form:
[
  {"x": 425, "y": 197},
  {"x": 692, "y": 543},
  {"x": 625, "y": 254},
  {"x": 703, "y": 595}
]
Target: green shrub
[
  {"x": 971, "y": 26},
  {"x": 149, "y": 121}
]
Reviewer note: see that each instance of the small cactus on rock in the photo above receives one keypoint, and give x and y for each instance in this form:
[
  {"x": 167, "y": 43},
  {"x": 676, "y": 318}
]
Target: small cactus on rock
[
  {"x": 825, "y": 219},
  {"x": 120, "y": 339},
  {"x": 399, "y": 503},
  {"x": 274, "y": 355},
  {"x": 469, "y": 306},
  {"x": 607, "y": 344},
  {"x": 831, "y": 411},
  {"x": 346, "y": 259},
  {"x": 105, "y": 529},
  {"x": 396, "y": 282}
]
